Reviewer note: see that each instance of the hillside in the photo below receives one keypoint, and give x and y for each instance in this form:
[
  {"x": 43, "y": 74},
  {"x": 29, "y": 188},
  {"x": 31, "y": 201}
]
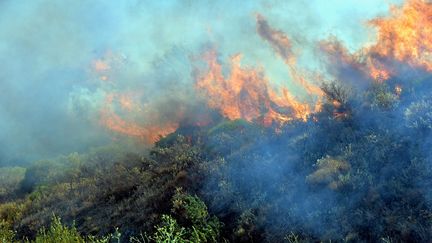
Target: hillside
[
  {"x": 360, "y": 176},
  {"x": 215, "y": 121}
]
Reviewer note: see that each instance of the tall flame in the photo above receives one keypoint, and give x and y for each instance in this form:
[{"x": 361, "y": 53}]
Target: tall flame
[
  {"x": 406, "y": 35},
  {"x": 281, "y": 44},
  {"x": 402, "y": 37},
  {"x": 246, "y": 94}
]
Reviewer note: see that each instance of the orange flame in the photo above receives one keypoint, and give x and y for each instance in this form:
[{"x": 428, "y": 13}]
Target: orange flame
[
  {"x": 104, "y": 66},
  {"x": 378, "y": 72},
  {"x": 281, "y": 44},
  {"x": 406, "y": 35},
  {"x": 362, "y": 62},
  {"x": 246, "y": 94},
  {"x": 148, "y": 133}
]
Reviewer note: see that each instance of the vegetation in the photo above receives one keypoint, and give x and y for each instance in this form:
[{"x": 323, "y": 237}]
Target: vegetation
[
  {"x": 357, "y": 171},
  {"x": 10, "y": 179}
]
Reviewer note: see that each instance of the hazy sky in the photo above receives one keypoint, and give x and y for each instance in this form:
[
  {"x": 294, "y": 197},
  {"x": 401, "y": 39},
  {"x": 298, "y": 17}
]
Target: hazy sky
[{"x": 50, "y": 95}]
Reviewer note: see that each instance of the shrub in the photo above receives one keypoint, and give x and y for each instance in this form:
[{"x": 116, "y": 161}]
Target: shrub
[
  {"x": 381, "y": 97},
  {"x": 58, "y": 233},
  {"x": 197, "y": 225},
  {"x": 418, "y": 115},
  {"x": 11, "y": 212},
  {"x": 190, "y": 207},
  {"x": 7, "y": 235},
  {"x": 169, "y": 231},
  {"x": 330, "y": 171},
  {"x": 10, "y": 179}
]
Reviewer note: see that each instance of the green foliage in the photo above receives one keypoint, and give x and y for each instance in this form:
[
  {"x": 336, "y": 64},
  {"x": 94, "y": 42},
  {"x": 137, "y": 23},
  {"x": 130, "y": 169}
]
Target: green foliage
[
  {"x": 70, "y": 168},
  {"x": 7, "y": 235},
  {"x": 134, "y": 190},
  {"x": 381, "y": 97},
  {"x": 169, "y": 231},
  {"x": 11, "y": 212},
  {"x": 58, "y": 233},
  {"x": 199, "y": 226},
  {"x": 353, "y": 178},
  {"x": 110, "y": 238},
  {"x": 190, "y": 207},
  {"x": 418, "y": 115},
  {"x": 231, "y": 136}
]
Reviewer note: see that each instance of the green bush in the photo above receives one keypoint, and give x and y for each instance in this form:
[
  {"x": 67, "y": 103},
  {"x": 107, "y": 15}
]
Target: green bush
[
  {"x": 7, "y": 235},
  {"x": 418, "y": 115},
  {"x": 192, "y": 212},
  {"x": 169, "y": 231},
  {"x": 58, "y": 233},
  {"x": 382, "y": 98},
  {"x": 190, "y": 207}
]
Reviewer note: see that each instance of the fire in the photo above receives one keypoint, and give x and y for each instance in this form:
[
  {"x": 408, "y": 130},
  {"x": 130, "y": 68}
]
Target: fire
[
  {"x": 123, "y": 111},
  {"x": 402, "y": 37},
  {"x": 104, "y": 66},
  {"x": 126, "y": 102},
  {"x": 100, "y": 65},
  {"x": 361, "y": 64},
  {"x": 378, "y": 72},
  {"x": 406, "y": 35},
  {"x": 147, "y": 133},
  {"x": 246, "y": 94},
  {"x": 281, "y": 44},
  {"x": 101, "y": 68}
]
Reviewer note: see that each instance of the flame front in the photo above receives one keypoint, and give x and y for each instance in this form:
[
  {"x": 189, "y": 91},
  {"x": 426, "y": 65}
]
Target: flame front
[
  {"x": 246, "y": 94},
  {"x": 406, "y": 35},
  {"x": 148, "y": 133}
]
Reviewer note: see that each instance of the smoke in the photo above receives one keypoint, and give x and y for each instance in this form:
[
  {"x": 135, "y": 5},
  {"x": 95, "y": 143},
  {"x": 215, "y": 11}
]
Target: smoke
[
  {"x": 79, "y": 74},
  {"x": 373, "y": 127},
  {"x": 61, "y": 60}
]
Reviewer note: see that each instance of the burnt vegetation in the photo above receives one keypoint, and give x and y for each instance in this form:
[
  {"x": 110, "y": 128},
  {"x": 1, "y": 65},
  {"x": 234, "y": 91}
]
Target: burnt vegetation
[{"x": 357, "y": 171}]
